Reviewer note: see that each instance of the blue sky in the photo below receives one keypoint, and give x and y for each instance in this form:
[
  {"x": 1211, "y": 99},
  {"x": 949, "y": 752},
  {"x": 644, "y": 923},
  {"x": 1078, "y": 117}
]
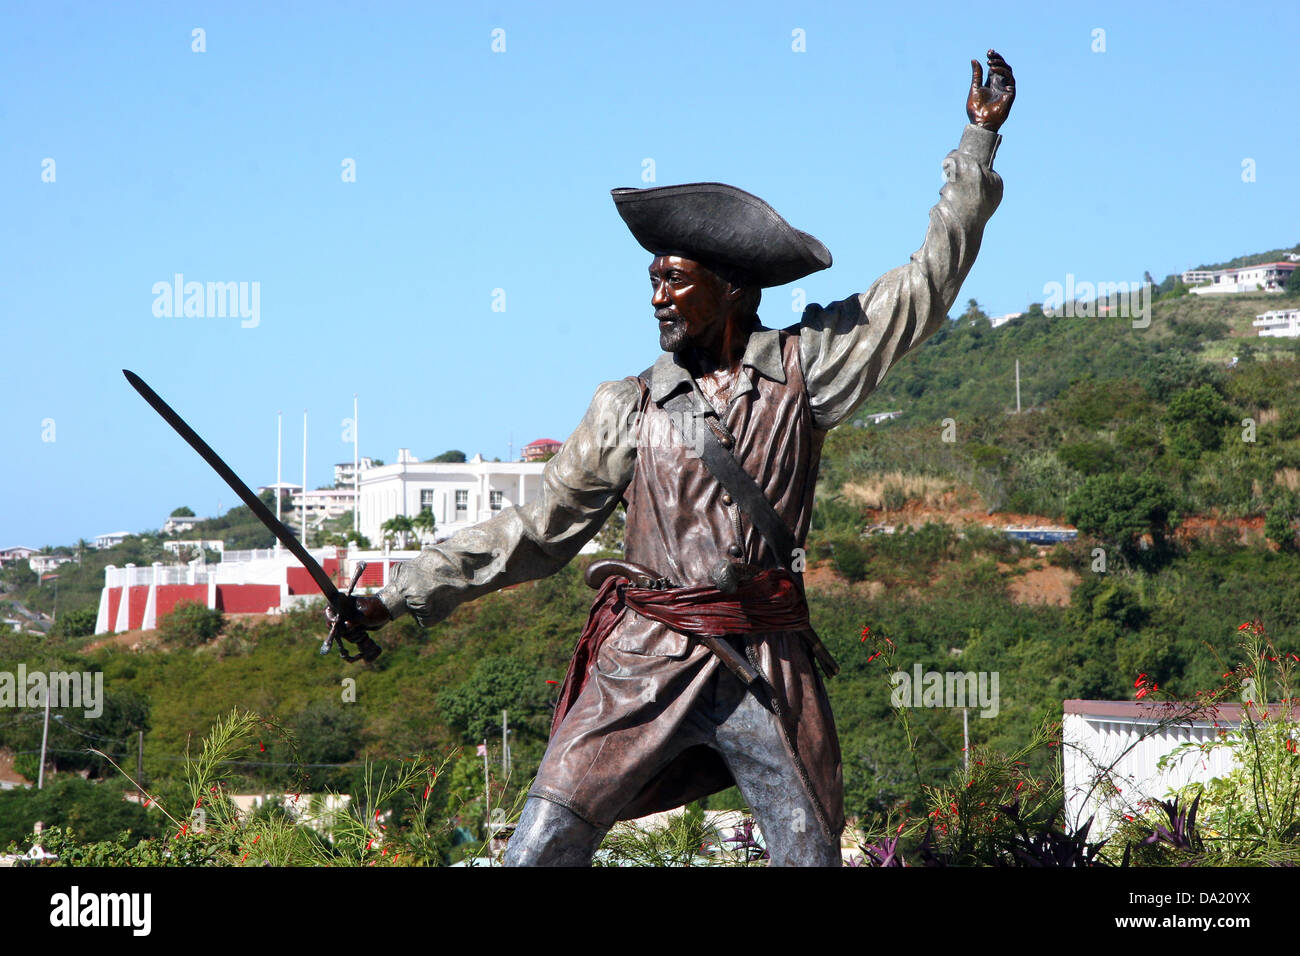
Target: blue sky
[{"x": 479, "y": 170}]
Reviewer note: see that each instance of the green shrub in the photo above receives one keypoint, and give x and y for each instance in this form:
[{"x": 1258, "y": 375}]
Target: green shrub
[{"x": 191, "y": 624}]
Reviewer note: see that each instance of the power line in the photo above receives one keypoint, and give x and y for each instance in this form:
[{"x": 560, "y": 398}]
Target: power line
[{"x": 178, "y": 758}]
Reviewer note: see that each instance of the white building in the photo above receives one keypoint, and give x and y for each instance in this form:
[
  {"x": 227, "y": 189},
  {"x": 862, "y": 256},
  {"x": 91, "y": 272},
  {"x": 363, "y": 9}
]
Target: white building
[
  {"x": 875, "y": 418},
  {"x": 177, "y": 524},
  {"x": 109, "y": 540},
  {"x": 997, "y": 320},
  {"x": 459, "y": 494},
  {"x": 1197, "y": 276},
  {"x": 323, "y": 503},
  {"x": 1111, "y": 750},
  {"x": 195, "y": 544},
  {"x": 283, "y": 487},
  {"x": 17, "y": 553},
  {"x": 1279, "y": 323},
  {"x": 1265, "y": 277},
  {"x": 45, "y": 563},
  {"x": 343, "y": 471}
]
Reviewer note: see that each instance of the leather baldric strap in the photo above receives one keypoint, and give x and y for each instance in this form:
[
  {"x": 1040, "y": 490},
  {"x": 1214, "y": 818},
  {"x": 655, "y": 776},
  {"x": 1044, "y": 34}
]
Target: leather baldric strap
[
  {"x": 739, "y": 484},
  {"x": 713, "y": 443}
]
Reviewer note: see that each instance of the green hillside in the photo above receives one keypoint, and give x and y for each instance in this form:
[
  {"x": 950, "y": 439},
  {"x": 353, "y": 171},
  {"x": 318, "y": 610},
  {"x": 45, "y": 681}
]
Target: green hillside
[{"x": 1183, "y": 470}]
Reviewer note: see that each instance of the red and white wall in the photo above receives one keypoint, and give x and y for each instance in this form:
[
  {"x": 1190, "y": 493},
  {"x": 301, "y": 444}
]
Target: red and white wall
[{"x": 244, "y": 582}]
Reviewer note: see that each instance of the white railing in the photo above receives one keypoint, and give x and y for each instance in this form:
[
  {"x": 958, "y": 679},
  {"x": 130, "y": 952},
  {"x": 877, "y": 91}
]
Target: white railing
[{"x": 143, "y": 577}]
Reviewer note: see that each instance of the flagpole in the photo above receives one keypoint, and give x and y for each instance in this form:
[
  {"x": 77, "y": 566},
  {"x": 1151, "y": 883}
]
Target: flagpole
[
  {"x": 356, "y": 469},
  {"x": 279, "y": 454},
  {"x": 303, "y": 501}
]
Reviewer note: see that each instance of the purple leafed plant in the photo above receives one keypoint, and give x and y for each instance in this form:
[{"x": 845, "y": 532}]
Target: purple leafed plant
[
  {"x": 883, "y": 853},
  {"x": 1181, "y": 833},
  {"x": 742, "y": 838}
]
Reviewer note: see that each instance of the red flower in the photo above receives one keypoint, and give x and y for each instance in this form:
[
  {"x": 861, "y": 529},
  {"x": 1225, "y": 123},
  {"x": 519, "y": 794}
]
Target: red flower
[
  {"x": 1142, "y": 678},
  {"x": 261, "y": 747},
  {"x": 1242, "y": 627}
]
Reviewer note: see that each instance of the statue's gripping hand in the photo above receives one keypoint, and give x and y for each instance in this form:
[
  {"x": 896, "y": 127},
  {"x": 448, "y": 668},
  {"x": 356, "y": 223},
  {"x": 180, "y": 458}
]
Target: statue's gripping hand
[
  {"x": 364, "y": 614},
  {"x": 989, "y": 104}
]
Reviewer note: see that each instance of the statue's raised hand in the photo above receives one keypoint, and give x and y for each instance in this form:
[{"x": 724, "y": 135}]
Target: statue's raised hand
[{"x": 988, "y": 105}]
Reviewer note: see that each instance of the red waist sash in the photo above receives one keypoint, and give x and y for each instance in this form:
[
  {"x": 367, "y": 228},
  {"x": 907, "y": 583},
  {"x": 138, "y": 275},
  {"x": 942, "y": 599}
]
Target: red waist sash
[{"x": 772, "y": 601}]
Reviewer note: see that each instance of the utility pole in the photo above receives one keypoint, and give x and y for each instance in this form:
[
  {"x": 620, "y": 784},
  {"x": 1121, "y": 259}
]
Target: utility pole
[
  {"x": 45, "y": 736},
  {"x": 965, "y": 737},
  {"x": 139, "y": 765},
  {"x": 1017, "y": 386},
  {"x": 487, "y": 791},
  {"x": 505, "y": 742}
]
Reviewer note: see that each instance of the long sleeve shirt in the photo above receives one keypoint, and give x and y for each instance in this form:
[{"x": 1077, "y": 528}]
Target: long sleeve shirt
[{"x": 843, "y": 350}]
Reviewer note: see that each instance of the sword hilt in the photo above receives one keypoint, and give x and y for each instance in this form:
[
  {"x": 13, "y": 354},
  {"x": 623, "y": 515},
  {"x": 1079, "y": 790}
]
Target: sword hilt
[{"x": 368, "y": 649}]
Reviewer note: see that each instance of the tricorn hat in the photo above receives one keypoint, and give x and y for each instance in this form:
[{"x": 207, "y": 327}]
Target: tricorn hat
[{"x": 723, "y": 226}]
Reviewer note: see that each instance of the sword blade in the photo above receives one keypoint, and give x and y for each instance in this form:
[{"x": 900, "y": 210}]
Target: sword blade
[{"x": 255, "y": 504}]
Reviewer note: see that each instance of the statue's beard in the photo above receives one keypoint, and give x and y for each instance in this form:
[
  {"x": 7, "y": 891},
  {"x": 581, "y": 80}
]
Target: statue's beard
[{"x": 672, "y": 337}]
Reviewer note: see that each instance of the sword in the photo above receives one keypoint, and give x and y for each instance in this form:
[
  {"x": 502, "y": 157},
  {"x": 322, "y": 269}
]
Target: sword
[{"x": 343, "y": 604}]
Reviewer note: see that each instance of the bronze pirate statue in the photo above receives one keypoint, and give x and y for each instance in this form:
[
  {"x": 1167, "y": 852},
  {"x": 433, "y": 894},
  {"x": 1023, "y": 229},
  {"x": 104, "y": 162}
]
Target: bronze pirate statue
[{"x": 696, "y": 667}]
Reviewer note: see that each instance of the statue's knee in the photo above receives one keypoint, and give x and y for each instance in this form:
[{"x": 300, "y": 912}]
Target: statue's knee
[{"x": 551, "y": 835}]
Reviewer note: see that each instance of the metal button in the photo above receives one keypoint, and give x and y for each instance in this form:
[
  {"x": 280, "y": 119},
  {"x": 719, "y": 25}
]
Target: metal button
[
  {"x": 727, "y": 441},
  {"x": 735, "y": 551},
  {"x": 726, "y": 499}
]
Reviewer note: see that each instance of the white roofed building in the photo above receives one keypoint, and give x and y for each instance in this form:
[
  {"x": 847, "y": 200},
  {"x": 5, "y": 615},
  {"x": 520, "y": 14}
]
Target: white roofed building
[
  {"x": 1279, "y": 323},
  {"x": 459, "y": 494},
  {"x": 1265, "y": 277},
  {"x": 16, "y": 553}
]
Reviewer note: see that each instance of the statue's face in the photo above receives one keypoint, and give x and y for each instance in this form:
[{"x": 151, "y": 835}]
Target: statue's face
[{"x": 690, "y": 302}]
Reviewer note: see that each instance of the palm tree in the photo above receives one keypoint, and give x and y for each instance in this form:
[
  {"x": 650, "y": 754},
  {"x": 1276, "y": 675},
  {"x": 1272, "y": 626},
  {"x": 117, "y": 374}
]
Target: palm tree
[
  {"x": 395, "y": 526},
  {"x": 423, "y": 524}
]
